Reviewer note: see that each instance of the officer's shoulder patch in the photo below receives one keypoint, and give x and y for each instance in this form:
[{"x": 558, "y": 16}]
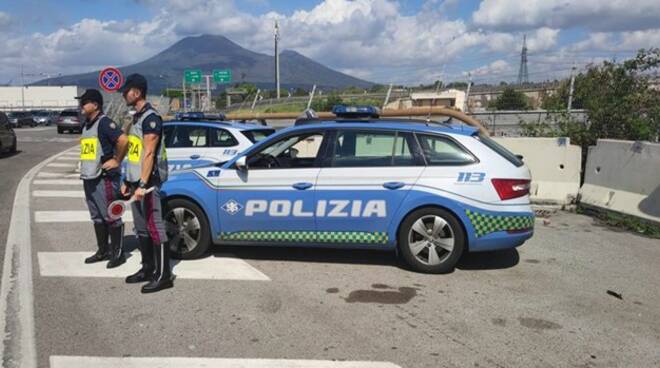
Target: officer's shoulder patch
[
  {"x": 152, "y": 124},
  {"x": 113, "y": 125}
]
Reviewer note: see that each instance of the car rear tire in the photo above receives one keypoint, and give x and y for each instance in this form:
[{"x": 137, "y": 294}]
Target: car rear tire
[
  {"x": 431, "y": 240},
  {"x": 14, "y": 146},
  {"x": 60, "y": 130},
  {"x": 187, "y": 229}
]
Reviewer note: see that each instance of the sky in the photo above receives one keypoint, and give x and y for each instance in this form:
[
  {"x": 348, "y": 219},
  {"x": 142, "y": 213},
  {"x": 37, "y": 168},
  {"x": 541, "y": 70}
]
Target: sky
[{"x": 384, "y": 41}]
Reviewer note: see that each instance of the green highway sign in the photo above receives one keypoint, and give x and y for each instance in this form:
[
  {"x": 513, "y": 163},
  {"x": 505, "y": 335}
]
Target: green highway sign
[
  {"x": 192, "y": 75},
  {"x": 222, "y": 75}
]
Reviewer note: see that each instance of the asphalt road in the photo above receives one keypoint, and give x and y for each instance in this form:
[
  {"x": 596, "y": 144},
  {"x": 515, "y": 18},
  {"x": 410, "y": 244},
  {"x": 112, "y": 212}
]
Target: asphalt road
[
  {"x": 543, "y": 305},
  {"x": 34, "y": 146}
]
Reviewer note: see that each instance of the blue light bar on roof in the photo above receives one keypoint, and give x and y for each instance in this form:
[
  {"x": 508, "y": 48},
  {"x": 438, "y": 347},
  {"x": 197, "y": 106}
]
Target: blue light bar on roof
[
  {"x": 196, "y": 115},
  {"x": 343, "y": 111},
  {"x": 189, "y": 115}
]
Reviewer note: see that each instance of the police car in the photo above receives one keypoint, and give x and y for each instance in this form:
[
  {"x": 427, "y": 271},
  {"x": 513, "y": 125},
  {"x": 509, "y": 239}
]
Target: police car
[
  {"x": 428, "y": 190},
  {"x": 195, "y": 139}
]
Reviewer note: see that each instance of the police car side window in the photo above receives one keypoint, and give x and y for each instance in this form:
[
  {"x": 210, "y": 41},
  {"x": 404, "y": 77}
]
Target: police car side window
[
  {"x": 186, "y": 136},
  {"x": 222, "y": 138},
  {"x": 297, "y": 151},
  {"x": 168, "y": 131},
  {"x": 372, "y": 148},
  {"x": 440, "y": 151}
]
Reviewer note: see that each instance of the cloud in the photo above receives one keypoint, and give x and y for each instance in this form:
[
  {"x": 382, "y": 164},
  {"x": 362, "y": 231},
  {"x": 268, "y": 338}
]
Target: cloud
[
  {"x": 617, "y": 42},
  {"x": 5, "y": 21},
  {"x": 496, "y": 67},
  {"x": 372, "y": 39},
  {"x": 599, "y": 15}
]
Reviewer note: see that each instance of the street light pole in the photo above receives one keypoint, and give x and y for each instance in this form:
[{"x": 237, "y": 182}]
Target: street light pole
[{"x": 277, "y": 59}]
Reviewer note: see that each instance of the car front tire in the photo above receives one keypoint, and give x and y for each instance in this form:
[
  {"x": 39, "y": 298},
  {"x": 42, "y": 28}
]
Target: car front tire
[
  {"x": 14, "y": 146},
  {"x": 431, "y": 240},
  {"x": 60, "y": 130},
  {"x": 187, "y": 228}
]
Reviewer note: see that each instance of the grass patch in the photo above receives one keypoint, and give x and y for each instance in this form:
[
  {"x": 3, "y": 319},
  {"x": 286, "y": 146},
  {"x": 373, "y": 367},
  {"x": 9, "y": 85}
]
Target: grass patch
[{"x": 622, "y": 221}]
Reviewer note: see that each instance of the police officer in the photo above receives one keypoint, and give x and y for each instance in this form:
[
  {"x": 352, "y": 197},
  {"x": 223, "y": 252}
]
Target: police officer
[
  {"x": 146, "y": 169},
  {"x": 102, "y": 148}
]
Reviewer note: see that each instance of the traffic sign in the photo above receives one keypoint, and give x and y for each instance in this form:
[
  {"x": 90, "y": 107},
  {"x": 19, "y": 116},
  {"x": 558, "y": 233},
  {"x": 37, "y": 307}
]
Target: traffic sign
[
  {"x": 110, "y": 79},
  {"x": 222, "y": 75},
  {"x": 193, "y": 75}
]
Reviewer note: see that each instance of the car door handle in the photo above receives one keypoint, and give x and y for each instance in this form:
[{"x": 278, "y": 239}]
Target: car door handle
[
  {"x": 194, "y": 157},
  {"x": 302, "y": 186},
  {"x": 393, "y": 185}
]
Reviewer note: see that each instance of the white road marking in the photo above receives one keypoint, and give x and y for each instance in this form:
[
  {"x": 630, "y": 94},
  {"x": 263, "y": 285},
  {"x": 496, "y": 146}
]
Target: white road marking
[
  {"x": 45, "y": 140},
  {"x": 57, "y": 182},
  {"x": 56, "y": 164},
  {"x": 156, "y": 362},
  {"x": 59, "y": 193},
  {"x": 71, "y": 216},
  {"x": 16, "y": 291},
  {"x": 57, "y": 175},
  {"x": 67, "y": 158},
  {"x": 40, "y": 129},
  {"x": 72, "y": 264}
]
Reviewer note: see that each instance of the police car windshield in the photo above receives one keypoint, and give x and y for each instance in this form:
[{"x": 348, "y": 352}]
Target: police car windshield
[
  {"x": 279, "y": 147},
  {"x": 256, "y": 135}
]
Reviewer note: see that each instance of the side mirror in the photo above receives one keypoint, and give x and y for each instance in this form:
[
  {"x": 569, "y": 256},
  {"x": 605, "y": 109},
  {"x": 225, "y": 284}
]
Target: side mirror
[{"x": 241, "y": 163}]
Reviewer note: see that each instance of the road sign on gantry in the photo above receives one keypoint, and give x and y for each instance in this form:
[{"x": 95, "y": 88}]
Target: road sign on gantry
[
  {"x": 110, "y": 79},
  {"x": 222, "y": 75},
  {"x": 192, "y": 76}
]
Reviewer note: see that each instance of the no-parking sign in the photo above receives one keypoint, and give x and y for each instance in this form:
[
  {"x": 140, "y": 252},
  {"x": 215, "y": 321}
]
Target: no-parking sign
[{"x": 110, "y": 79}]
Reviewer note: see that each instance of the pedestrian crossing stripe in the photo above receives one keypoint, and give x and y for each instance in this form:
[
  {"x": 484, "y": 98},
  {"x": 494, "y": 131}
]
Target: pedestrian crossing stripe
[
  {"x": 355, "y": 237},
  {"x": 485, "y": 224}
]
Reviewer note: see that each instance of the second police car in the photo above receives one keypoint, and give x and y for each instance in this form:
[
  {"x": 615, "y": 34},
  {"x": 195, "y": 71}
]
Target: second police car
[
  {"x": 196, "y": 139},
  {"x": 428, "y": 190}
]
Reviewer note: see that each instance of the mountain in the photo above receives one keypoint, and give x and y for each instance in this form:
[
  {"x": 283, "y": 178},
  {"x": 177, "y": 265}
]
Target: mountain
[{"x": 209, "y": 52}]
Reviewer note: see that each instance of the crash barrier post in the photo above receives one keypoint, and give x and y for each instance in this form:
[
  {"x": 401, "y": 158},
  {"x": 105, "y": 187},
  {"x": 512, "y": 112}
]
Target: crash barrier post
[
  {"x": 623, "y": 176},
  {"x": 555, "y": 165}
]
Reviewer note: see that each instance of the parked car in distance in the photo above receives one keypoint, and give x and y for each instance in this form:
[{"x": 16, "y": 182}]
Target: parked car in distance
[
  {"x": 7, "y": 135},
  {"x": 19, "y": 119},
  {"x": 44, "y": 117},
  {"x": 70, "y": 120}
]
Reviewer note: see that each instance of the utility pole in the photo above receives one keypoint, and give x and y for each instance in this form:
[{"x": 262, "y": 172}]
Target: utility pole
[
  {"x": 467, "y": 94},
  {"x": 311, "y": 97},
  {"x": 256, "y": 96},
  {"x": 22, "y": 89},
  {"x": 208, "y": 91},
  {"x": 387, "y": 97},
  {"x": 277, "y": 59},
  {"x": 523, "y": 75},
  {"x": 570, "y": 91},
  {"x": 185, "y": 108}
]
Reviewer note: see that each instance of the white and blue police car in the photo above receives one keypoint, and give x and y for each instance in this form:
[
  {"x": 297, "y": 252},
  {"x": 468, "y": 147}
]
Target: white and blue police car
[
  {"x": 431, "y": 191},
  {"x": 196, "y": 139}
]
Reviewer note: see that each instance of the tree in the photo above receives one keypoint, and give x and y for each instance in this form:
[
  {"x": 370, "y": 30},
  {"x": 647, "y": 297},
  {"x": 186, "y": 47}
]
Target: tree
[
  {"x": 510, "y": 99},
  {"x": 457, "y": 85},
  {"x": 617, "y": 98}
]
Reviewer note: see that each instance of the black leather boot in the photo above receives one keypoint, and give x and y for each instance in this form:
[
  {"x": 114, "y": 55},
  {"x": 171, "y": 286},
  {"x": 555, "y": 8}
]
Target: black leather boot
[
  {"x": 116, "y": 247},
  {"x": 163, "y": 275},
  {"x": 101, "y": 242},
  {"x": 146, "y": 273}
]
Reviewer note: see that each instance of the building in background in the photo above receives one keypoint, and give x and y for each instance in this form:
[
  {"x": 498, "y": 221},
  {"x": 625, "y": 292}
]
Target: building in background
[
  {"x": 451, "y": 98},
  {"x": 38, "y": 98}
]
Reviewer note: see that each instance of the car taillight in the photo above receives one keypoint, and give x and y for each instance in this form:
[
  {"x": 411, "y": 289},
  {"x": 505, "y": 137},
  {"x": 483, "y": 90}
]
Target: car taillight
[{"x": 511, "y": 188}]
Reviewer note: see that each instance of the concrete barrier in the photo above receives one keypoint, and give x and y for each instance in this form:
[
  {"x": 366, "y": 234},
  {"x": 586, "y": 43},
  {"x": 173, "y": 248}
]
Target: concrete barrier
[
  {"x": 623, "y": 176},
  {"x": 555, "y": 165}
]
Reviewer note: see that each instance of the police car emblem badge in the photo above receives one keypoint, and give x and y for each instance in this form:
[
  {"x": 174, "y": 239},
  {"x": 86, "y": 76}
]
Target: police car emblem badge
[{"x": 232, "y": 207}]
